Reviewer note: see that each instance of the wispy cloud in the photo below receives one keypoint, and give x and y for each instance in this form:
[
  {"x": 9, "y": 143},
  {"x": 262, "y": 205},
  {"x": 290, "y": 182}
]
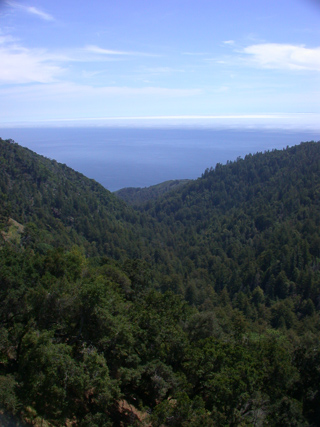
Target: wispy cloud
[
  {"x": 81, "y": 91},
  {"x": 40, "y": 13},
  {"x": 102, "y": 51},
  {"x": 194, "y": 53},
  {"x": 22, "y": 65},
  {"x": 32, "y": 10},
  {"x": 6, "y": 39},
  {"x": 161, "y": 70},
  {"x": 109, "y": 52},
  {"x": 284, "y": 56}
]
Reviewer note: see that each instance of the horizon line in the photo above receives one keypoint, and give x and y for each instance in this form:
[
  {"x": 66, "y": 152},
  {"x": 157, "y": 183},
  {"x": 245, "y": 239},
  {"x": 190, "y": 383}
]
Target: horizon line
[
  {"x": 264, "y": 120},
  {"x": 174, "y": 117}
]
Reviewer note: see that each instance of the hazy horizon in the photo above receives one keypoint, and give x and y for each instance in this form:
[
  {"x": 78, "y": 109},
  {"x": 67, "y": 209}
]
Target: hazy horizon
[
  {"x": 102, "y": 61},
  {"x": 140, "y": 157},
  {"x": 189, "y": 72},
  {"x": 302, "y": 121}
]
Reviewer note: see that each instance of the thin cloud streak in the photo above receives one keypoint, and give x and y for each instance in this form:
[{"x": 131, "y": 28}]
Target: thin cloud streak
[
  {"x": 32, "y": 10},
  {"x": 97, "y": 49},
  {"x": 103, "y": 51},
  {"x": 78, "y": 91},
  {"x": 39, "y": 13}
]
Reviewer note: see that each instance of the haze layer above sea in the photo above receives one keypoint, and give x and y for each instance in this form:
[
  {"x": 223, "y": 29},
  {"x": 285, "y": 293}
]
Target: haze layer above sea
[{"x": 119, "y": 157}]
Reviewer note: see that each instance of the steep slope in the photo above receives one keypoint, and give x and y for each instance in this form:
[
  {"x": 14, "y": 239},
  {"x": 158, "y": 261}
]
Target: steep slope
[
  {"x": 253, "y": 222},
  {"x": 63, "y": 207}
]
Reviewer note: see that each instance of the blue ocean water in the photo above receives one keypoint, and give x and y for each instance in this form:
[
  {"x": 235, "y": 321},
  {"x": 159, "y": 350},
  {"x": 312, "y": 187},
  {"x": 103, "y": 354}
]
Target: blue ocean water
[{"x": 140, "y": 157}]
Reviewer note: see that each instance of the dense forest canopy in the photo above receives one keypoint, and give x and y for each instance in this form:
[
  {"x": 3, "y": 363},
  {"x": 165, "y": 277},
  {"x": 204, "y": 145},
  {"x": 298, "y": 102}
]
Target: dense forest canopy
[
  {"x": 136, "y": 196},
  {"x": 196, "y": 306}
]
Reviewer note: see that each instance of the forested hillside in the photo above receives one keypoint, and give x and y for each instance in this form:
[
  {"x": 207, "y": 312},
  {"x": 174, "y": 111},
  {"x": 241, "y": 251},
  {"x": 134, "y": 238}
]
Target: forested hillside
[
  {"x": 136, "y": 196},
  {"x": 200, "y": 307},
  {"x": 61, "y": 207},
  {"x": 253, "y": 222}
]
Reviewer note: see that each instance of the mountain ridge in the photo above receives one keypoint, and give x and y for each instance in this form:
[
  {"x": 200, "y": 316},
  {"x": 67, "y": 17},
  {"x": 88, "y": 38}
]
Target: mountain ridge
[
  {"x": 138, "y": 195},
  {"x": 66, "y": 199},
  {"x": 198, "y": 307}
]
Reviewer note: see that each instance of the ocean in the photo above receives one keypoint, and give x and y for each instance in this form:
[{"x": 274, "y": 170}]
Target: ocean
[{"x": 140, "y": 157}]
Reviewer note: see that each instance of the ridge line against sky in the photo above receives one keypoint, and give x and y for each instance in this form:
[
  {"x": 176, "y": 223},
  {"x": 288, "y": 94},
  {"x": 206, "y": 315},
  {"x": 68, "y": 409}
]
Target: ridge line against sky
[{"x": 64, "y": 61}]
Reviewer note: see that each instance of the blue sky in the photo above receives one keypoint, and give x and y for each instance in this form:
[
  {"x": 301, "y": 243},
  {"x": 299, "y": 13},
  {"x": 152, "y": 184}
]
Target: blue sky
[{"x": 75, "y": 61}]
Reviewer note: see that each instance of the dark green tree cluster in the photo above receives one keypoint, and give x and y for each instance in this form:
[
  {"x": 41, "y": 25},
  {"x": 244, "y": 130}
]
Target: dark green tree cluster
[
  {"x": 61, "y": 207},
  {"x": 137, "y": 196},
  {"x": 78, "y": 338},
  {"x": 198, "y": 308},
  {"x": 250, "y": 227}
]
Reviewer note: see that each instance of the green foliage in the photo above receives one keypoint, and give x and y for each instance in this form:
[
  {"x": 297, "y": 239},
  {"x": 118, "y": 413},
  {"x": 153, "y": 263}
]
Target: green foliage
[
  {"x": 136, "y": 196},
  {"x": 199, "y": 308},
  {"x": 8, "y": 398},
  {"x": 181, "y": 411},
  {"x": 61, "y": 207}
]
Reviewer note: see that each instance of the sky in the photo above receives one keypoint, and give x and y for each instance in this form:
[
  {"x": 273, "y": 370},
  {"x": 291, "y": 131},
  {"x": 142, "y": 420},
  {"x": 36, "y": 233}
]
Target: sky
[{"x": 107, "y": 61}]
